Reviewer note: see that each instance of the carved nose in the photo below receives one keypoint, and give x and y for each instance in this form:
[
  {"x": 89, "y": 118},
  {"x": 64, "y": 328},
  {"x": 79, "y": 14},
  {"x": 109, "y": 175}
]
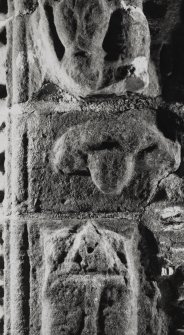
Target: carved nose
[
  {"x": 110, "y": 171},
  {"x": 81, "y": 42}
]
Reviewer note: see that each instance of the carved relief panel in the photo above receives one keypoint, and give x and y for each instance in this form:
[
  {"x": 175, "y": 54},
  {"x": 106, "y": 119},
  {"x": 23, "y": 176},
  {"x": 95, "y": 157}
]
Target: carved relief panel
[
  {"x": 93, "y": 46},
  {"x": 100, "y": 47},
  {"x": 91, "y": 154},
  {"x": 98, "y": 276},
  {"x": 91, "y": 282}
]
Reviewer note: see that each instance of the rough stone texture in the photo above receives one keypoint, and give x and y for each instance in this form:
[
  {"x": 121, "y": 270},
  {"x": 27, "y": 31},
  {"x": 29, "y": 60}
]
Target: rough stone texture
[
  {"x": 88, "y": 301},
  {"x": 83, "y": 276},
  {"x": 93, "y": 46},
  {"x": 56, "y": 137},
  {"x": 91, "y": 154},
  {"x": 92, "y": 276},
  {"x": 74, "y": 57},
  {"x": 93, "y": 226}
]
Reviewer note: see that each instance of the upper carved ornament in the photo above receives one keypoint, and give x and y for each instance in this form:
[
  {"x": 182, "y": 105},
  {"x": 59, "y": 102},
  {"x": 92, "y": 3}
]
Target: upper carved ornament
[
  {"x": 92, "y": 47},
  {"x": 96, "y": 47}
]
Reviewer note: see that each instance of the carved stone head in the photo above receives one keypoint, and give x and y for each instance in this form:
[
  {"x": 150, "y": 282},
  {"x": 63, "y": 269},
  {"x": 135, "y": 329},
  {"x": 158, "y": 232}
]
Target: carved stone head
[
  {"x": 122, "y": 153},
  {"x": 91, "y": 47}
]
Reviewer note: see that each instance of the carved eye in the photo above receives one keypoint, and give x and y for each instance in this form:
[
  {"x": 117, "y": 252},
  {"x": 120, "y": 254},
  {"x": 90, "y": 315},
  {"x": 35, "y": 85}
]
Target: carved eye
[{"x": 114, "y": 42}]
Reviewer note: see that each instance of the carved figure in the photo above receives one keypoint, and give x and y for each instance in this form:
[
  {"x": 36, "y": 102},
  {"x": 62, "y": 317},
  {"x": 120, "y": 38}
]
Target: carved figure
[{"x": 91, "y": 285}]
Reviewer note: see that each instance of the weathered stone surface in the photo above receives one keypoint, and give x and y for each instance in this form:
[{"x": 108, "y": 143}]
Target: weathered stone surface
[
  {"x": 65, "y": 59},
  {"x": 114, "y": 155},
  {"x": 93, "y": 46},
  {"x": 74, "y": 306},
  {"x": 88, "y": 250},
  {"x": 99, "y": 164},
  {"x": 89, "y": 276},
  {"x": 94, "y": 187},
  {"x": 1, "y": 271},
  {"x": 3, "y": 94},
  {"x": 162, "y": 227},
  {"x": 101, "y": 299},
  {"x": 94, "y": 298}
]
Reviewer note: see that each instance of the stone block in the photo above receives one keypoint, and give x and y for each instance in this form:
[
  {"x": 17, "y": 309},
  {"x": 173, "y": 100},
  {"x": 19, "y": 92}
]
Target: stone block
[
  {"x": 88, "y": 286},
  {"x": 82, "y": 275},
  {"x": 72, "y": 275},
  {"x": 165, "y": 220},
  {"x": 81, "y": 156}
]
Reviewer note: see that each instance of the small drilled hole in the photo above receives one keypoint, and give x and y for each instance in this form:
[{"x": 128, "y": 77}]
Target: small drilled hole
[
  {"x": 2, "y": 160},
  {"x": 3, "y": 39},
  {"x": 1, "y": 262},
  {"x": 90, "y": 250},
  {"x": 1, "y": 196},
  {"x": 3, "y": 92},
  {"x": 1, "y": 292}
]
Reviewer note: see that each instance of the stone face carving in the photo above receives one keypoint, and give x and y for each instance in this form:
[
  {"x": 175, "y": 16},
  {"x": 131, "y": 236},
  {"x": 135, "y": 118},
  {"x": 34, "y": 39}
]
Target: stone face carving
[
  {"x": 119, "y": 152},
  {"x": 86, "y": 249},
  {"x": 93, "y": 47},
  {"x": 90, "y": 282},
  {"x": 87, "y": 156}
]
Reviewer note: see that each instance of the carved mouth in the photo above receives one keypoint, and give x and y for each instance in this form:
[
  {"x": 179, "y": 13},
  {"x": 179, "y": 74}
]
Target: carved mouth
[{"x": 80, "y": 53}]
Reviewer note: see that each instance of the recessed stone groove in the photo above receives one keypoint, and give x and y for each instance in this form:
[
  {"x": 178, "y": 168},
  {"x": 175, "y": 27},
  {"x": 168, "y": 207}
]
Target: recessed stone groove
[{"x": 58, "y": 46}]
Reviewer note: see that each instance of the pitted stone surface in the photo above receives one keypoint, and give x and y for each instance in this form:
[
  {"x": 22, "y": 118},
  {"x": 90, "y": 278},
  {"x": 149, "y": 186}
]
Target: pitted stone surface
[
  {"x": 87, "y": 159},
  {"x": 92, "y": 276}
]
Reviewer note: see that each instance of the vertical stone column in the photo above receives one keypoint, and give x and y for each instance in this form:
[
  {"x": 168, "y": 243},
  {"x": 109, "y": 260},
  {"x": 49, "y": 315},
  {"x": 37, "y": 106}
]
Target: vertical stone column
[{"x": 3, "y": 97}]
